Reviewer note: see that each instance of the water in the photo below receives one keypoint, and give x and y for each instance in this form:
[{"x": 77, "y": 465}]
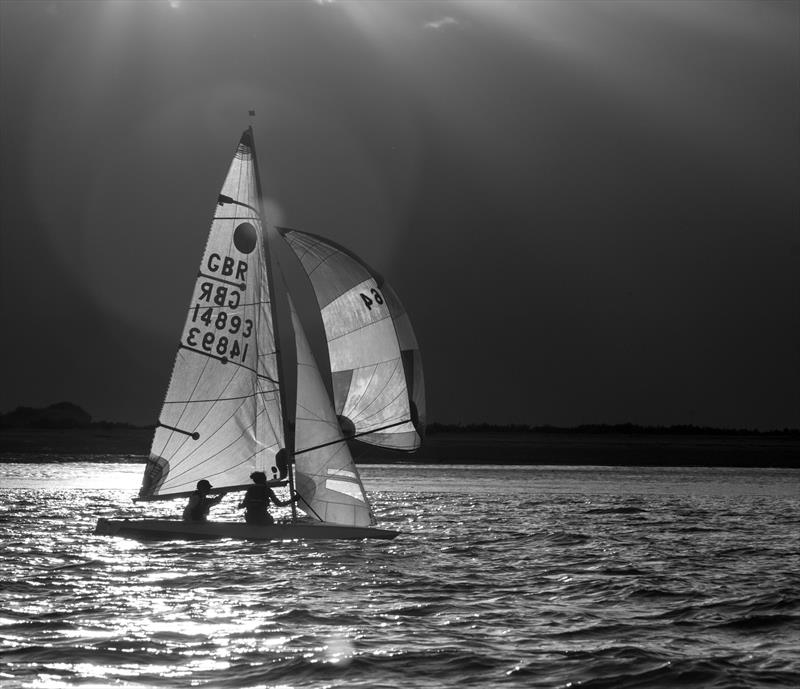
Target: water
[{"x": 506, "y": 577}]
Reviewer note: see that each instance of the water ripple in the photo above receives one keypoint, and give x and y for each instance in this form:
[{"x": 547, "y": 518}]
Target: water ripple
[{"x": 495, "y": 581}]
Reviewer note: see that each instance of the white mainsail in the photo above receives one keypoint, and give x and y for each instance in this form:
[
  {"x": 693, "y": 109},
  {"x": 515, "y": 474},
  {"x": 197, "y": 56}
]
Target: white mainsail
[
  {"x": 222, "y": 417},
  {"x": 376, "y": 368}
]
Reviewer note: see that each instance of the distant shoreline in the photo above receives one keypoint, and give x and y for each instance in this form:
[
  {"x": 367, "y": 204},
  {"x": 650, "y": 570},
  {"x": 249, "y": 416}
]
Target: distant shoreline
[{"x": 462, "y": 447}]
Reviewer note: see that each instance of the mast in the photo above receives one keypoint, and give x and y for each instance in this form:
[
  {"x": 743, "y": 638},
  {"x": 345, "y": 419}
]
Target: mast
[{"x": 288, "y": 423}]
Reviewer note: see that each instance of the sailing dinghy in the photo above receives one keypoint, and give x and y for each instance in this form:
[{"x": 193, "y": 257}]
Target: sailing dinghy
[{"x": 247, "y": 394}]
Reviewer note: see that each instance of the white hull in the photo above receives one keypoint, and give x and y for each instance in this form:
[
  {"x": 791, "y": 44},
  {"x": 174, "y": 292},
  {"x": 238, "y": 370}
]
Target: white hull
[{"x": 172, "y": 529}]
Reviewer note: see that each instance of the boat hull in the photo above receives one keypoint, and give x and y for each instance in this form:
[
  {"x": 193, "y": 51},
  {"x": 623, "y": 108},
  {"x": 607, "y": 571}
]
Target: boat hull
[{"x": 173, "y": 529}]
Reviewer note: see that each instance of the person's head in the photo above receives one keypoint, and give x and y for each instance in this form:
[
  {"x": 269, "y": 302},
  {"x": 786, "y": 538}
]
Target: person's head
[
  {"x": 203, "y": 486},
  {"x": 258, "y": 477}
]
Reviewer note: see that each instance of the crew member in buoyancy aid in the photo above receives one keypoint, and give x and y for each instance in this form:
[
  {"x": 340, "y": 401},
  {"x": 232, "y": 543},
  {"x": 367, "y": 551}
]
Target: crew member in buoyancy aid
[
  {"x": 199, "y": 504},
  {"x": 257, "y": 499}
]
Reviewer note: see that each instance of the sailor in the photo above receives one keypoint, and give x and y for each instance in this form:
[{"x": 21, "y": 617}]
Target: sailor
[
  {"x": 257, "y": 499},
  {"x": 199, "y": 504}
]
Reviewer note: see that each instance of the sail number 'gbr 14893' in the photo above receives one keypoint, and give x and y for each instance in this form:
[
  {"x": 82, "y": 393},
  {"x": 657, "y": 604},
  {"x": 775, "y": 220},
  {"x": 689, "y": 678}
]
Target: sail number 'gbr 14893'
[{"x": 214, "y": 325}]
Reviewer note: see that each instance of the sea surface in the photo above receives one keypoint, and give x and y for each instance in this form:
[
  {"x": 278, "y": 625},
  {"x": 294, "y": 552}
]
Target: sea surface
[{"x": 502, "y": 577}]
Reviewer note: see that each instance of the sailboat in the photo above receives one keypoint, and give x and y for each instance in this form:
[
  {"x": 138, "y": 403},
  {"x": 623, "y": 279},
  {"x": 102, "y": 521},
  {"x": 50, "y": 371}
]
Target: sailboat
[{"x": 247, "y": 392}]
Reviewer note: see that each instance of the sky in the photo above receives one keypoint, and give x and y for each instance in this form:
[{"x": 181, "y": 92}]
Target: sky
[{"x": 589, "y": 209}]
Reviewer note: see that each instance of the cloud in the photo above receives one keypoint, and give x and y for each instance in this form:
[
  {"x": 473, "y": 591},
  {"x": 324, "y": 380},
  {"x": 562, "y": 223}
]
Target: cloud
[{"x": 442, "y": 23}]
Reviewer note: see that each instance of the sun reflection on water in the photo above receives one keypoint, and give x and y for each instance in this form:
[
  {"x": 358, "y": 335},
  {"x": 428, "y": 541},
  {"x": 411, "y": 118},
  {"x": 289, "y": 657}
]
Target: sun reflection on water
[
  {"x": 338, "y": 650},
  {"x": 477, "y": 582}
]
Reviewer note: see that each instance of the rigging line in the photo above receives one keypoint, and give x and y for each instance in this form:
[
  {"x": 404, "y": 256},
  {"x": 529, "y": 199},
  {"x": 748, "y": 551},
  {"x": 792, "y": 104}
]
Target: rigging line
[
  {"x": 234, "y": 217},
  {"x": 237, "y": 285},
  {"x": 350, "y": 437}
]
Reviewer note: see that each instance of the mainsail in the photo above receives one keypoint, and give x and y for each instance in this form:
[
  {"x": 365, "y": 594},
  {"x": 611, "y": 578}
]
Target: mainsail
[
  {"x": 375, "y": 363},
  {"x": 222, "y": 417}
]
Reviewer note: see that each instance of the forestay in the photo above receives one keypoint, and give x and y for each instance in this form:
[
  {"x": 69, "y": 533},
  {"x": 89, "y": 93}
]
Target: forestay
[
  {"x": 221, "y": 418},
  {"x": 375, "y": 363}
]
